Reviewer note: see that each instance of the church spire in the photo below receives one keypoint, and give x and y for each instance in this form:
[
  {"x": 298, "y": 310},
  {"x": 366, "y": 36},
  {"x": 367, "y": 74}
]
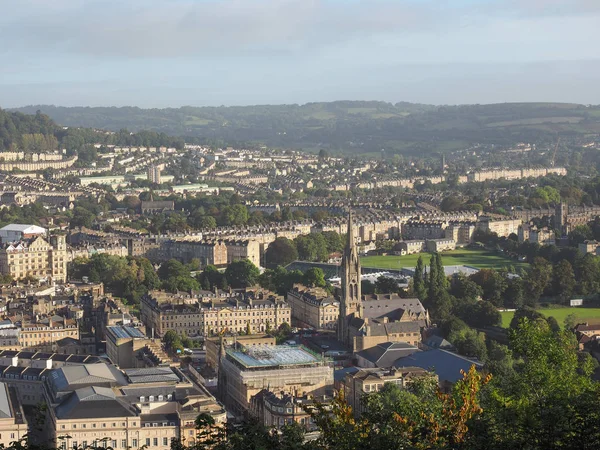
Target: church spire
[{"x": 350, "y": 301}]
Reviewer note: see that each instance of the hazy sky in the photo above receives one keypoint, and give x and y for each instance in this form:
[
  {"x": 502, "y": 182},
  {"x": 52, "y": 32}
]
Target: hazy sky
[{"x": 157, "y": 53}]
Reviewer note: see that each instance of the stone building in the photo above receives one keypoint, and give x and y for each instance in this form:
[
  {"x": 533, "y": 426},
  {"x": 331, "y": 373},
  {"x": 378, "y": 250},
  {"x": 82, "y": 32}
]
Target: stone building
[
  {"x": 244, "y": 372},
  {"x": 313, "y": 307},
  {"x": 366, "y": 321},
  {"x": 36, "y": 257},
  {"x": 257, "y": 310}
]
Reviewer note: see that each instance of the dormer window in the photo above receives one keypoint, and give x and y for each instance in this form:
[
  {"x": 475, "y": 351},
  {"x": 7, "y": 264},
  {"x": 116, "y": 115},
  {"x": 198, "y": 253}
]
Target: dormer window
[
  {"x": 151, "y": 398},
  {"x": 142, "y": 398}
]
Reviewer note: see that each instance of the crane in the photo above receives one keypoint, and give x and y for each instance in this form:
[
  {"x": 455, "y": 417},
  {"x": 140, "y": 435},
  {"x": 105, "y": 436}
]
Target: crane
[{"x": 555, "y": 150}]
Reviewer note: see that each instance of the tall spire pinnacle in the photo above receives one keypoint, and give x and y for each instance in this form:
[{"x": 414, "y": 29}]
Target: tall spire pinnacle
[{"x": 351, "y": 242}]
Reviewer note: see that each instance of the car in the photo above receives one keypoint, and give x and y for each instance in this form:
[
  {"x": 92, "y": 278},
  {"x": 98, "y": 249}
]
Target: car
[{"x": 324, "y": 347}]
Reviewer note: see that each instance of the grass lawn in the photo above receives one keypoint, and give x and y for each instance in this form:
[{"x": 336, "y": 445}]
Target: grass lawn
[
  {"x": 591, "y": 315},
  {"x": 482, "y": 259}
]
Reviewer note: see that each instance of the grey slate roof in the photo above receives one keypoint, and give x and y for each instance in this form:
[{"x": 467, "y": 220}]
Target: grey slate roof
[
  {"x": 72, "y": 377},
  {"x": 152, "y": 375},
  {"x": 386, "y": 354},
  {"x": 445, "y": 364},
  {"x": 5, "y": 409},
  {"x": 92, "y": 402}
]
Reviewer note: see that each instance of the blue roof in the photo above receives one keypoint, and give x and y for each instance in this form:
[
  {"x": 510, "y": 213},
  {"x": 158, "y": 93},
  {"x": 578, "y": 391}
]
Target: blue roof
[{"x": 445, "y": 364}]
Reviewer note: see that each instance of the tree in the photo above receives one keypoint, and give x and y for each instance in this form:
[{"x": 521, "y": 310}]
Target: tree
[
  {"x": 208, "y": 222},
  {"x": 588, "y": 275},
  {"x": 580, "y": 234},
  {"x": 386, "y": 285},
  {"x": 281, "y": 252},
  {"x": 538, "y": 278},
  {"x": 469, "y": 342},
  {"x": 484, "y": 315},
  {"x": 419, "y": 287},
  {"x": 242, "y": 274},
  {"x": 492, "y": 283},
  {"x": 563, "y": 281},
  {"x": 314, "y": 277},
  {"x": 367, "y": 287},
  {"x": 451, "y": 203},
  {"x": 81, "y": 218},
  {"x": 465, "y": 288}
]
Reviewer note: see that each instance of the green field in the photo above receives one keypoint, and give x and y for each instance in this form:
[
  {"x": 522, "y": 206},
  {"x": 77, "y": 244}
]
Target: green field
[
  {"x": 482, "y": 259},
  {"x": 591, "y": 315}
]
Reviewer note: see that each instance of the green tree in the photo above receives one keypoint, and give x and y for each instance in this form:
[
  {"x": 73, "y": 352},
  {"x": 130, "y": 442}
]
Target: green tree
[
  {"x": 538, "y": 278},
  {"x": 314, "y": 277},
  {"x": 563, "y": 281},
  {"x": 242, "y": 274},
  {"x": 493, "y": 285},
  {"x": 386, "y": 285},
  {"x": 281, "y": 252},
  {"x": 419, "y": 287}
]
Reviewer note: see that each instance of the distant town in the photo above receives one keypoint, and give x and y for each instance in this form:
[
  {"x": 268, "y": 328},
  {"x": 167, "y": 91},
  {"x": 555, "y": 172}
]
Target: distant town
[{"x": 156, "y": 293}]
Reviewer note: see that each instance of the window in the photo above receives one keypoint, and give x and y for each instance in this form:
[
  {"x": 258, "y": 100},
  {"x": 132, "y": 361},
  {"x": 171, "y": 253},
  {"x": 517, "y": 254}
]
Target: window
[
  {"x": 151, "y": 398},
  {"x": 142, "y": 399},
  {"x": 84, "y": 425},
  {"x": 155, "y": 442},
  {"x": 75, "y": 444},
  {"x": 103, "y": 425},
  {"x": 84, "y": 444},
  {"x": 147, "y": 442},
  {"x": 165, "y": 441},
  {"x": 74, "y": 425},
  {"x": 124, "y": 443},
  {"x": 114, "y": 443},
  {"x": 169, "y": 397},
  {"x": 134, "y": 443},
  {"x": 93, "y": 425},
  {"x": 160, "y": 398}
]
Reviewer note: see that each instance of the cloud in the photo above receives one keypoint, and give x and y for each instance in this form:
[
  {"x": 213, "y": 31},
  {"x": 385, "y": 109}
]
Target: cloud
[{"x": 182, "y": 28}]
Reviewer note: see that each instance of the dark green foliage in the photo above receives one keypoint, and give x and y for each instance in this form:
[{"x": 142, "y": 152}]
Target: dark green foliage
[
  {"x": 128, "y": 277},
  {"x": 419, "y": 287},
  {"x": 386, "y": 285},
  {"x": 401, "y": 127},
  {"x": 314, "y": 277},
  {"x": 242, "y": 274},
  {"x": 281, "y": 252}
]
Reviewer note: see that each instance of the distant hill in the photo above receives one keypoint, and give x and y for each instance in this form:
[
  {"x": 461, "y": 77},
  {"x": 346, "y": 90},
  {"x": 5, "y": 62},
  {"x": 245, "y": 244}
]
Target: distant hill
[
  {"x": 350, "y": 126},
  {"x": 36, "y": 132}
]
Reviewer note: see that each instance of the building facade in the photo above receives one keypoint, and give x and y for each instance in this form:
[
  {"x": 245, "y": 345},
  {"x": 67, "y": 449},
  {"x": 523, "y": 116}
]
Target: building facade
[{"x": 313, "y": 307}]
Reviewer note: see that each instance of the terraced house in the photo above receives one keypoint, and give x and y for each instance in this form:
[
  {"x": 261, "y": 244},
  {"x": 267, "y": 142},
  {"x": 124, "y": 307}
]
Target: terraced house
[{"x": 199, "y": 315}]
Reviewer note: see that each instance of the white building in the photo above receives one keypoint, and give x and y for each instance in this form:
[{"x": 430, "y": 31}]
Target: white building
[{"x": 16, "y": 232}]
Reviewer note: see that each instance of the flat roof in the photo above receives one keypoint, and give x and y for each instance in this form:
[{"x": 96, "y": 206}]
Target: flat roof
[
  {"x": 272, "y": 356},
  {"x": 125, "y": 332}
]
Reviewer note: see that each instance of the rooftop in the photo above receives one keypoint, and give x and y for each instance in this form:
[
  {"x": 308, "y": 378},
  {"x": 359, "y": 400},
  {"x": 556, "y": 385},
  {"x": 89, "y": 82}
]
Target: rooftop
[
  {"x": 274, "y": 356},
  {"x": 125, "y": 332}
]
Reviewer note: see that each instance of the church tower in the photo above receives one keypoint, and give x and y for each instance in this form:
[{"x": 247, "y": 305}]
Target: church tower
[{"x": 350, "y": 301}]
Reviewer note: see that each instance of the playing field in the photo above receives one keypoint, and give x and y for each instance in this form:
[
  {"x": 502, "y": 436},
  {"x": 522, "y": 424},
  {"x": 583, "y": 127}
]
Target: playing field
[
  {"x": 590, "y": 315},
  {"x": 482, "y": 259}
]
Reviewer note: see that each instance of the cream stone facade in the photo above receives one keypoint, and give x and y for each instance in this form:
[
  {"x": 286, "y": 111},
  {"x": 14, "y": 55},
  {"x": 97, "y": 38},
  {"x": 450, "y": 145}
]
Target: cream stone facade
[
  {"x": 36, "y": 257},
  {"x": 257, "y": 310},
  {"x": 313, "y": 307}
]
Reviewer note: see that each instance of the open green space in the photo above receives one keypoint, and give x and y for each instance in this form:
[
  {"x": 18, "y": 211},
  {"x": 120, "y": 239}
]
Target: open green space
[
  {"x": 590, "y": 315},
  {"x": 482, "y": 259}
]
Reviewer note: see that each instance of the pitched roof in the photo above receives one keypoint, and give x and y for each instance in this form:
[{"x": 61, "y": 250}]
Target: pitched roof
[
  {"x": 445, "y": 364},
  {"x": 92, "y": 402},
  {"x": 386, "y": 354},
  {"x": 70, "y": 377}
]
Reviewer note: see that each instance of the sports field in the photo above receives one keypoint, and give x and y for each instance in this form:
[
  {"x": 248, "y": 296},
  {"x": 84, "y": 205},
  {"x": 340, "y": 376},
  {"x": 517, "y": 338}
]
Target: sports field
[
  {"x": 590, "y": 315},
  {"x": 482, "y": 259}
]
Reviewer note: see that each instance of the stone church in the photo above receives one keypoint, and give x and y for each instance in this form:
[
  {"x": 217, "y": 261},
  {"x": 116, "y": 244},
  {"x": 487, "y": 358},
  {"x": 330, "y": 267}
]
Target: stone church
[{"x": 368, "y": 320}]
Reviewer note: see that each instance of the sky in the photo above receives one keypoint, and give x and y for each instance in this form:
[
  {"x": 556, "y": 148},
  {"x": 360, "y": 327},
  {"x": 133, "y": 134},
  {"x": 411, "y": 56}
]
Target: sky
[{"x": 170, "y": 53}]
